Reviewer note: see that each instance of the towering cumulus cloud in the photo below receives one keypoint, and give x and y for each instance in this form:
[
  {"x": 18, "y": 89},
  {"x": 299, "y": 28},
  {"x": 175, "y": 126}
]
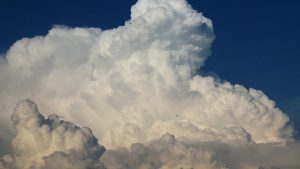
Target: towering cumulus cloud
[{"x": 138, "y": 89}]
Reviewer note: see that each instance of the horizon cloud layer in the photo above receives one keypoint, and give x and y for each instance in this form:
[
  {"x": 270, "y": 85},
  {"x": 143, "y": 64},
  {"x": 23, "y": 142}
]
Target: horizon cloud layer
[{"x": 137, "y": 88}]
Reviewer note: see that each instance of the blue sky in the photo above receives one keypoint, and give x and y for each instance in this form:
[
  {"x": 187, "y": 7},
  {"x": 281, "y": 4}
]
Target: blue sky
[{"x": 257, "y": 42}]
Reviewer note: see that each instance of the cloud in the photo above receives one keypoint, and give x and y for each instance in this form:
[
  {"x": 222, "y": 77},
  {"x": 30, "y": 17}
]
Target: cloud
[
  {"x": 168, "y": 152},
  {"x": 50, "y": 142},
  {"x": 132, "y": 85}
]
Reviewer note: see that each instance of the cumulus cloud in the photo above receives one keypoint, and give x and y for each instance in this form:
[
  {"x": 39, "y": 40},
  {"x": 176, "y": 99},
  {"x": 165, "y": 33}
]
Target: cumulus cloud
[
  {"x": 132, "y": 85},
  {"x": 167, "y": 152},
  {"x": 50, "y": 143}
]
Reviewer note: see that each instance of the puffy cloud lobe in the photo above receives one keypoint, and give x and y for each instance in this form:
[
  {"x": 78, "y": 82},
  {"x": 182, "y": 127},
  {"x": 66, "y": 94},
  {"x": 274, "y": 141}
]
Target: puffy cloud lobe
[
  {"x": 50, "y": 143},
  {"x": 135, "y": 83},
  {"x": 165, "y": 153}
]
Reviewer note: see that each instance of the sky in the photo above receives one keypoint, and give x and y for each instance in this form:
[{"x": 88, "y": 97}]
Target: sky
[{"x": 168, "y": 81}]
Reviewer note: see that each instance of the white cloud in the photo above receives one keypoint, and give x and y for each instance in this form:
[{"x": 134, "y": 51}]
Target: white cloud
[
  {"x": 168, "y": 152},
  {"x": 50, "y": 143},
  {"x": 135, "y": 83}
]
